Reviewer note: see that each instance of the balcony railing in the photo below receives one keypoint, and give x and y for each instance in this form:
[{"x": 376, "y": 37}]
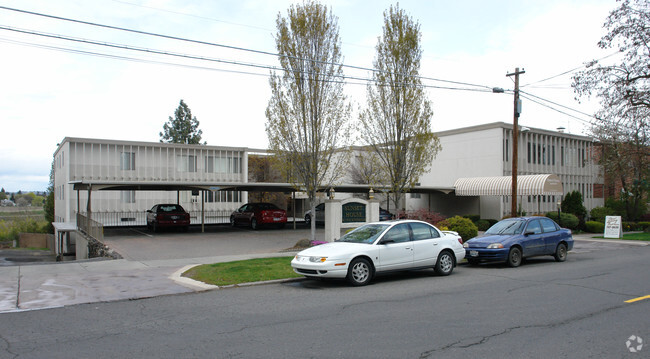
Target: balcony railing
[
  {"x": 90, "y": 227},
  {"x": 128, "y": 219}
]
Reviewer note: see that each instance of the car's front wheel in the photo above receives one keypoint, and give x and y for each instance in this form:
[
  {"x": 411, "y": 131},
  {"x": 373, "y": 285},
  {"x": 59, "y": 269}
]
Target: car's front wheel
[
  {"x": 359, "y": 272},
  {"x": 560, "y": 252},
  {"x": 232, "y": 221},
  {"x": 445, "y": 264},
  {"x": 514, "y": 257},
  {"x": 308, "y": 220},
  {"x": 254, "y": 224}
]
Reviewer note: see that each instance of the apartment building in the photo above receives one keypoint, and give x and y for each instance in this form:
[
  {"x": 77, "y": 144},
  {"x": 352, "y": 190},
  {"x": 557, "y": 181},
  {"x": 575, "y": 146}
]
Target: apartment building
[{"x": 124, "y": 178}]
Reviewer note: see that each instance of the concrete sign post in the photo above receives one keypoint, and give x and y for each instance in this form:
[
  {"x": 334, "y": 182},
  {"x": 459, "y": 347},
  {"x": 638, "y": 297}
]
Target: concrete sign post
[{"x": 613, "y": 227}]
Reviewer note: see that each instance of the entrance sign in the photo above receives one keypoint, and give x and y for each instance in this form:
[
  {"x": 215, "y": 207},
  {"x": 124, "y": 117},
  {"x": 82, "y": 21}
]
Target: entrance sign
[
  {"x": 354, "y": 212},
  {"x": 613, "y": 227}
]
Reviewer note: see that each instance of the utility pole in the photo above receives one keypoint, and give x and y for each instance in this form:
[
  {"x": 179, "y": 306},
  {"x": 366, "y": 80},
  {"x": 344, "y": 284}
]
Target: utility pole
[{"x": 515, "y": 140}]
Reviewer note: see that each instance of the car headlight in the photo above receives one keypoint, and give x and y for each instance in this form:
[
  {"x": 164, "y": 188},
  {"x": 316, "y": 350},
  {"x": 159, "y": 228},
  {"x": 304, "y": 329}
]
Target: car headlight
[
  {"x": 465, "y": 245},
  {"x": 317, "y": 259},
  {"x": 495, "y": 246}
]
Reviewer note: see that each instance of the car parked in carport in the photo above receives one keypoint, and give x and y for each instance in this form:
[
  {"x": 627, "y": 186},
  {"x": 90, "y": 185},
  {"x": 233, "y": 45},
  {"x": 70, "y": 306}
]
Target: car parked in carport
[
  {"x": 167, "y": 215},
  {"x": 513, "y": 239},
  {"x": 259, "y": 214}
]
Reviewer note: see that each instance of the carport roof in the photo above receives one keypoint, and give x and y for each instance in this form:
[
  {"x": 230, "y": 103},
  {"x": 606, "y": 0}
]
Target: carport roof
[
  {"x": 98, "y": 185},
  {"x": 544, "y": 184}
]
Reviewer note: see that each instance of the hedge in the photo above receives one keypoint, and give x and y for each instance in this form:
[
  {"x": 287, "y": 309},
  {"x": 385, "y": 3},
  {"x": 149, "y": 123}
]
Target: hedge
[{"x": 595, "y": 227}]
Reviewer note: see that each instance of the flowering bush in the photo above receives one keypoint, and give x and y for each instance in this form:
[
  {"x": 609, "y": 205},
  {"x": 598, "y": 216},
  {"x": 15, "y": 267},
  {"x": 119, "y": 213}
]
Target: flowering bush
[
  {"x": 422, "y": 215},
  {"x": 316, "y": 243}
]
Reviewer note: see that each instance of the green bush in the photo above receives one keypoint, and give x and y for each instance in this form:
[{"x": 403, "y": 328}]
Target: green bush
[
  {"x": 567, "y": 220},
  {"x": 645, "y": 226},
  {"x": 464, "y": 226},
  {"x": 473, "y": 217},
  {"x": 595, "y": 227},
  {"x": 483, "y": 225},
  {"x": 599, "y": 213}
]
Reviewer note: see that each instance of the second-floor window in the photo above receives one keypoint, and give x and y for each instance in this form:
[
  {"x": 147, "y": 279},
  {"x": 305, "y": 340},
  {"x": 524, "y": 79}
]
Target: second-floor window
[
  {"x": 127, "y": 161},
  {"x": 186, "y": 163}
]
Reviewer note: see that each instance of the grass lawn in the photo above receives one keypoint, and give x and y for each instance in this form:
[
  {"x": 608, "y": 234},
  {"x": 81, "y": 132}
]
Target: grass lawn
[
  {"x": 252, "y": 270},
  {"x": 634, "y": 236},
  {"x": 637, "y": 236}
]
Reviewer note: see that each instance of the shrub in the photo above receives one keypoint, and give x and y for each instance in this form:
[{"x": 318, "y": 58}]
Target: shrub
[
  {"x": 595, "y": 227},
  {"x": 599, "y": 213},
  {"x": 645, "y": 226},
  {"x": 483, "y": 225},
  {"x": 421, "y": 215},
  {"x": 567, "y": 220},
  {"x": 473, "y": 217},
  {"x": 464, "y": 226},
  {"x": 10, "y": 230}
]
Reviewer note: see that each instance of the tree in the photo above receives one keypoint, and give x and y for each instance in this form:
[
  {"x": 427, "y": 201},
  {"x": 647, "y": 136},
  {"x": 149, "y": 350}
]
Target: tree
[
  {"x": 308, "y": 115},
  {"x": 623, "y": 89},
  {"x": 397, "y": 120},
  {"x": 183, "y": 128},
  {"x": 3, "y": 194},
  {"x": 48, "y": 205},
  {"x": 573, "y": 203}
]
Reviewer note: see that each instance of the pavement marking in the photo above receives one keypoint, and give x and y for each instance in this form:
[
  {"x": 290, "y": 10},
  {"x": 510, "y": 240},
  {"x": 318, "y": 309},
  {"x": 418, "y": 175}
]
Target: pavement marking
[
  {"x": 638, "y": 299},
  {"x": 140, "y": 232}
]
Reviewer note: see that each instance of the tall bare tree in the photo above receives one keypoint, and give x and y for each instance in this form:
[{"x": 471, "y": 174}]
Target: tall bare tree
[
  {"x": 623, "y": 89},
  {"x": 397, "y": 120},
  {"x": 308, "y": 115}
]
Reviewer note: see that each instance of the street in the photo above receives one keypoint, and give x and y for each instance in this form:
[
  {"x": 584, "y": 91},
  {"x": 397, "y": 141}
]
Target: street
[{"x": 542, "y": 309}]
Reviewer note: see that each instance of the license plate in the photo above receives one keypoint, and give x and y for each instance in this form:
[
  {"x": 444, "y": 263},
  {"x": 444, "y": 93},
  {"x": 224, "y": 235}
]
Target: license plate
[
  {"x": 473, "y": 253},
  {"x": 175, "y": 217},
  {"x": 277, "y": 219}
]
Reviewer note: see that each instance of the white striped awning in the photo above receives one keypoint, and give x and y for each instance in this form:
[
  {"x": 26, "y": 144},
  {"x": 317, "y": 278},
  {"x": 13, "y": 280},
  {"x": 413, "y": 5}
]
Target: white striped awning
[{"x": 531, "y": 185}]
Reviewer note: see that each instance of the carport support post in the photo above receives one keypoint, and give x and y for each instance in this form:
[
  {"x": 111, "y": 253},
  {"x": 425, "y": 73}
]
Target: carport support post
[
  {"x": 333, "y": 219},
  {"x": 202, "y": 211}
]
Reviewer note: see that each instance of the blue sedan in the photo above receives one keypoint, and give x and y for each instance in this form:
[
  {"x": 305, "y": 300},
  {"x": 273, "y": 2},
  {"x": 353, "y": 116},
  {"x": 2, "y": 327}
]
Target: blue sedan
[{"x": 513, "y": 239}]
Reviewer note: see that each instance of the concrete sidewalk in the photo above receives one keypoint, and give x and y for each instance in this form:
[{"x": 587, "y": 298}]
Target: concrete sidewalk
[{"x": 40, "y": 286}]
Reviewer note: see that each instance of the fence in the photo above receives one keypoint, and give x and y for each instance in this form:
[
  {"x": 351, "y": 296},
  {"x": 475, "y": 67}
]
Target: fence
[
  {"x": 131, "y": 219},
  {"x": 90, "y": 227}
]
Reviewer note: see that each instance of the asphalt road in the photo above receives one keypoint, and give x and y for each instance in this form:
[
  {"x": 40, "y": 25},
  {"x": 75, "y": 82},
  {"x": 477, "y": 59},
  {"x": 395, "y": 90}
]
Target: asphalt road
[{"x": 542, "y": 309}]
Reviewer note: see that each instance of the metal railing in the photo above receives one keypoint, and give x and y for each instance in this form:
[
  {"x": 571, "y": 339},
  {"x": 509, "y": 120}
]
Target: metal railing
[
  {"x": 90, "y": 227},
  {"x": 128, "y": 219}
]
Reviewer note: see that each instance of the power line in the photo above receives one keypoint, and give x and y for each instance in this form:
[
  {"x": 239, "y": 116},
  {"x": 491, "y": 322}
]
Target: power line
[
  {"x": 555, "y": 109},
  {"x": 169, "y": 37}
]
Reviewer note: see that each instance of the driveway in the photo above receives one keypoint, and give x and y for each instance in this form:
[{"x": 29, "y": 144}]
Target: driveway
[{"x": 140, "y": 244}]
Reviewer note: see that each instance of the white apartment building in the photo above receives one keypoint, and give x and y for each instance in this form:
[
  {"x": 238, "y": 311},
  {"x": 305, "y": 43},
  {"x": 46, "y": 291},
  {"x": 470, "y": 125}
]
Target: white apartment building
[
  {"x": 486, "y": 151},
  {"x": 125, "y": 178}
]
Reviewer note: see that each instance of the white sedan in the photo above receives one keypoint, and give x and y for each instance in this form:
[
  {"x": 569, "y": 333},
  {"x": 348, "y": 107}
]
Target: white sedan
[{"x": 382, "y": 247}]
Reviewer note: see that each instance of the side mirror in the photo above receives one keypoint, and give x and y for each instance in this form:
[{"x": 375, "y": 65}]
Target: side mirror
[
  {"x": 528, "y": 233},
  {"x": 386, "y": 241},
  {"x": 149, "y": 211}
]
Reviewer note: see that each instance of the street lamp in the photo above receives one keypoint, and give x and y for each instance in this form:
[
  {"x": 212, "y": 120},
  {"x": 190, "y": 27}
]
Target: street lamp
[{"x": 559, "y": 218}]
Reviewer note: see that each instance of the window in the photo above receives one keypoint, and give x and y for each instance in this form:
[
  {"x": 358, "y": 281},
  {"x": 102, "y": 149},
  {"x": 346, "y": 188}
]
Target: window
[
  {"x": 548, "y": 225},
  {"x": 128, "y": 196},
  {"x": 222, "y": 164},
  {"x": 127, "y": 161},
  {"x": 422, "y": 231},
  {"x": 534, "y": 227},
  {"x": 398, "y": 234},
  {"x": 186, "y": 163}
]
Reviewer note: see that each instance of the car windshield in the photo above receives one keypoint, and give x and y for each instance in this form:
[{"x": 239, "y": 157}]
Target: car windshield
[
  {"x": 365, "y": 234},
  {"x": 507, "y": 227}
]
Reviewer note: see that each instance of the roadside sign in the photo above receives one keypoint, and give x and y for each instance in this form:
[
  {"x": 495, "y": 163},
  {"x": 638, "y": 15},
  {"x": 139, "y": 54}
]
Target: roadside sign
[{"x": 613, "y": 227}]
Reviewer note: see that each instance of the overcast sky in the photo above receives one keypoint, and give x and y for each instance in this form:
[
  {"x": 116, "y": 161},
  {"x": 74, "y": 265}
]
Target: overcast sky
[{"x": 53, "y": 88}]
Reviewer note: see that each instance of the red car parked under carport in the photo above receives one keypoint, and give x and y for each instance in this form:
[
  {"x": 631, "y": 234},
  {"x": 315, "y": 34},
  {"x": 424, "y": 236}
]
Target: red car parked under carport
[
  {"x": 167, "y": 215},
  {"x": 259, "y": 214}
]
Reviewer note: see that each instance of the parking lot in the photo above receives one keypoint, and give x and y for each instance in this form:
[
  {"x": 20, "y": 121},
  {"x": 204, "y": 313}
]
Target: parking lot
[{"x": 140, "y": 244}]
